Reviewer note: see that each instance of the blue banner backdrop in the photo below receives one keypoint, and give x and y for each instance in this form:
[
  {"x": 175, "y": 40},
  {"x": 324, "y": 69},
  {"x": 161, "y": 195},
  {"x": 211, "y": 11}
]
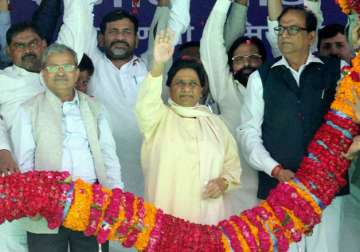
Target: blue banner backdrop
[{"x": 200, "y": 9}]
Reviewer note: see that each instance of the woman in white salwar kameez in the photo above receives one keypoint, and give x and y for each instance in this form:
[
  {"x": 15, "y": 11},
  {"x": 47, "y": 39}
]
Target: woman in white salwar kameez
[{"x": 189, "y": 158}]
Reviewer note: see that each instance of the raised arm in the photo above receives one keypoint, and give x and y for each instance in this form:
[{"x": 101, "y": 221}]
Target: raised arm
[
  {"x": 315, "y": 7},
  {"x": 163, "y": 51},
  {"x": 274, "y": 10},
  {"x": 214, "y": 54},
  {"x": 179, "y": 18},
  {"x": 46, "y": 17},
  {"x": 236, "y": 22},
  {"x": 149, "y": 107},
  {"x": 77, "y": 25},
  {"x": 174, "y": 15},
  {"x": 158, "y": 23}
]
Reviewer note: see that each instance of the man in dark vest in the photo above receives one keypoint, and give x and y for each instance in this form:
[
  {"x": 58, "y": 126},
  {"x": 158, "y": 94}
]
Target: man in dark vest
[{"x": 285, "y": 102}]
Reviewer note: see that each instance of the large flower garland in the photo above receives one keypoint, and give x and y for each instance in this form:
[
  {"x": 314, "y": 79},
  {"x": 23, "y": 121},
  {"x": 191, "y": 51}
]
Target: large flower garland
[
  {"x": 348, "y": 5},
  {"x": 291, "y": 210}
]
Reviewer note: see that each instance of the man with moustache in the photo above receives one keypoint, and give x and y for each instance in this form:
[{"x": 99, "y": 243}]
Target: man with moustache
[
  {"x": 228, "y": 71},
  {"x": 284, "y": 105},
  {"x": 331, "y": 39},
  {"x": 332, "y": 42},
  {"x": 4, "y": 26},
  {"x": 64, "y": 130},
  {"x": 21, "y": 81},
  {"x": 119, "y": 74}
]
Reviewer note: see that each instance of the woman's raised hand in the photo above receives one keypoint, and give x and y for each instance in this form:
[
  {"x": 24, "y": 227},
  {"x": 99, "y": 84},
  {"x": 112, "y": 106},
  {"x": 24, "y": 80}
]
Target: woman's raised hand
[{"x": 163, "y": 46}]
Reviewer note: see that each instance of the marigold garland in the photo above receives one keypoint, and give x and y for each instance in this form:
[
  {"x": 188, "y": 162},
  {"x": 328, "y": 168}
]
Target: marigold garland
[
  {"x": 348, "y": 5},
  {"x": 291, "y": 210},
  {"x": 78, "y": 216},
  {"x": 225, "y": 243},
  {"x": 344, "y": 5}
]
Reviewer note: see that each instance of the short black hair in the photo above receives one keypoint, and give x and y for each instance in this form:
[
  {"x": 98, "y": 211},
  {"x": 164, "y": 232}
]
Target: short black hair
[
  {"x": 329, "y": 31},
  {"x": 310, "y": 18},
  {"x": 86, "y": 64},
  {"x": 118, "y": 14},
  {"x": 243, "y": 40},
  {"x": 187, "y": 63},
  {"x": 17, "y": 28}
]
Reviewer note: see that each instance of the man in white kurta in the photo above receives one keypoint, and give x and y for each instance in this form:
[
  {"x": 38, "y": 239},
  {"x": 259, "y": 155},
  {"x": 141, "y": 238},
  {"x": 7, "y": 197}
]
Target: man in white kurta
[
  {"x": 228, "y": 93},
  {"x": 18, "y": 85},
  {"x": 274, "y": 10},
  {"x": 184, "y": 148},
  {"x": 117, "y": 86},
  {"x": 62, "y": 129}
]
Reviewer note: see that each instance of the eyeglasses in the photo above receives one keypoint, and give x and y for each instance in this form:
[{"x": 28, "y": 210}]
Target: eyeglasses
[
  {"x": 191, "y": 84},
  {"x": 22, "y": 46},
  {"x": 291, "y": 30},
  {"x": 55, "y": 68},
  {"x": 241, "y": 59}
]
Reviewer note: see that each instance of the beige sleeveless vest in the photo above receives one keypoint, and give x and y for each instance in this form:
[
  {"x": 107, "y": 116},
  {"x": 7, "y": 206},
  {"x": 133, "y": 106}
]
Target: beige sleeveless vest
[{"x": 45, "y": 112}]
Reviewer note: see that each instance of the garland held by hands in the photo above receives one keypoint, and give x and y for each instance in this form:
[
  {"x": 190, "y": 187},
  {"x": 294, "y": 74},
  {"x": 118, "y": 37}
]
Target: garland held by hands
[{"x": 292, "y": 209}]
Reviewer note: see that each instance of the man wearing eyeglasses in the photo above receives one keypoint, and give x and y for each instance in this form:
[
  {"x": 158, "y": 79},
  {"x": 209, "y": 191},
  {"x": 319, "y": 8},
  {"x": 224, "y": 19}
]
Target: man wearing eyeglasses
[
  {"x": 331, "y": 38},
  {"x": 274, "y": 10},
  {"x": 228, "y": 66},
  {"x": 62, "y": 129},
  {"x": 285, "y": 102},
  {"x": 21, "y": 81}
]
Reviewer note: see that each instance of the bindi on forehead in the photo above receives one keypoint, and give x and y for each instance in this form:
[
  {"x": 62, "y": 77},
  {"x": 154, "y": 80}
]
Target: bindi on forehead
[{"x": 246, "y": 49}]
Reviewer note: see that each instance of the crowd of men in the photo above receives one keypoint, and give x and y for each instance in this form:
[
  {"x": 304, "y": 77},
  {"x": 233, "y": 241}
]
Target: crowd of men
[{"x": 69, "y": 105}]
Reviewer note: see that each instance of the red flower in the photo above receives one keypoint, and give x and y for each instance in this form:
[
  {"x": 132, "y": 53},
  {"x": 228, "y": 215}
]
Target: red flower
[{"x": 355, "y": 76}]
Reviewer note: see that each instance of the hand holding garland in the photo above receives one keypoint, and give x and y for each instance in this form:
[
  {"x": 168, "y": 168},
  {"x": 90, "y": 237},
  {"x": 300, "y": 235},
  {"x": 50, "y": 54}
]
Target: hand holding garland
[
  {"x": 282, "y": 174},
  {"x": 215, "y": 188},
  {"x": 7, "y": 163}
]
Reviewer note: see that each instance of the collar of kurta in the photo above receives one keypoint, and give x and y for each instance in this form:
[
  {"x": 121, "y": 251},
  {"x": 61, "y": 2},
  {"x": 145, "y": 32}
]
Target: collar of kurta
[
  {"x": 56, "y": 100},
  {"x": 135, "y": 60},
  {"x": 190, "y": 112},
  {"x": 310, "y": 59},
  {"x": 240, "y": 86},
  {"x": 21, "y": 71}
]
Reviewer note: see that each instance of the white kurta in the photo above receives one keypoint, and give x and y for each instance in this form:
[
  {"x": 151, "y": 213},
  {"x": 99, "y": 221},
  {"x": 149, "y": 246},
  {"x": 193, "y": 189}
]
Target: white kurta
[
  {"x": 72, "y": 136},
  {"x": 271, "y": 36},
  {"x": 18, "y": 85},
  {"x": 183, "y": 149},
  {"x": 117, "y": 89},
  {"x": 229, "y": 95},
  {"x": 325, "y": 235},
  {"x": 4, "y": 138}
]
